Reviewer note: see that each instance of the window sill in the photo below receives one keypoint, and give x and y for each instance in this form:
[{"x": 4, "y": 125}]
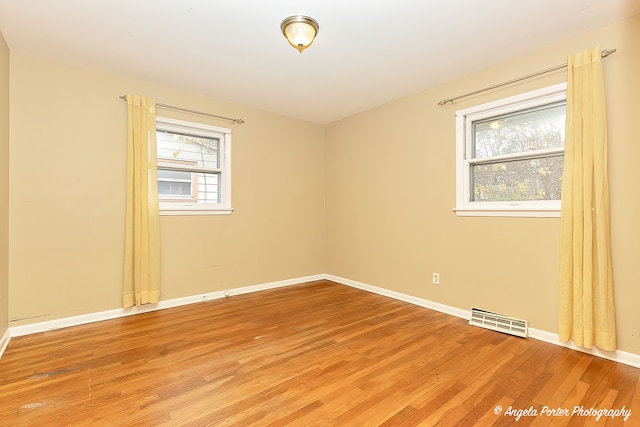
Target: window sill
[
  {"x": 174, "y": 212},
  {"x": 509, "y": 212}
]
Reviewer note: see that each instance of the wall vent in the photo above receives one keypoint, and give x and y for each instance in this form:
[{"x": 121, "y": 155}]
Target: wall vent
[{"x": 498, "y": 322}]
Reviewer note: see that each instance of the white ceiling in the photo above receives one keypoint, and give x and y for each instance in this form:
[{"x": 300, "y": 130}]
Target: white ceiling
[{"x": 367, "y": 53}]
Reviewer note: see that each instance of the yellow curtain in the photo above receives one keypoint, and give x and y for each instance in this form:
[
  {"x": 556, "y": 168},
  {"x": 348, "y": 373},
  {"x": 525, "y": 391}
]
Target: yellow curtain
[
  {"x": 586, "y": 309},
  {"x": 142, "y": 230}
]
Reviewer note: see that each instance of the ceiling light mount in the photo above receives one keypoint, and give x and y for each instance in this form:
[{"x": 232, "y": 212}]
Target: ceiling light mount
[{"x": 300, "y": 31}]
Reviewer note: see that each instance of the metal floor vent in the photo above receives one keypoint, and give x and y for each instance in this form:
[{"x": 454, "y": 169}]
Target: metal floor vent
[{"x": 498, "y": 322}]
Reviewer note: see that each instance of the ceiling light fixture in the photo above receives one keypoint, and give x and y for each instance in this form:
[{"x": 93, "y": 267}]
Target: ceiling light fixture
[{"x": 300, "y": 31}]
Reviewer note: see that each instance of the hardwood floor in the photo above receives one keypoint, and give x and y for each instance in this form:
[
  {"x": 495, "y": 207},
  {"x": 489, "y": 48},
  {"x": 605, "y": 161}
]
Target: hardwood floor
[{"x": 309, "y": 355}]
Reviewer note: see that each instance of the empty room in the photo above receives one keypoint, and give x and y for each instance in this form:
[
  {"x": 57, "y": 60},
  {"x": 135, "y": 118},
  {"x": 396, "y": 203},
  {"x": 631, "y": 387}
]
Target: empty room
[{"x": 312, "y": 213}]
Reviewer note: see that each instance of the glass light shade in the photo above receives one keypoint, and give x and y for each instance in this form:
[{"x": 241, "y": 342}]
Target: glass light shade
[{"x": 300, "y": 31}]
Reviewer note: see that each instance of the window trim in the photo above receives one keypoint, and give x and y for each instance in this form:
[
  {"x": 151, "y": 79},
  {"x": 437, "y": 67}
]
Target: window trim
[
  {"x": 182, "y": 207},
  {"x": 464, "y": 121}
]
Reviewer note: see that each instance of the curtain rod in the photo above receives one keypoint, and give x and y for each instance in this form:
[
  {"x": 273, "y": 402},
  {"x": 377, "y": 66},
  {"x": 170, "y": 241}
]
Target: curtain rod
[
  {"x": 185, "y": 110},
  {"x": 603, "y": 54}
]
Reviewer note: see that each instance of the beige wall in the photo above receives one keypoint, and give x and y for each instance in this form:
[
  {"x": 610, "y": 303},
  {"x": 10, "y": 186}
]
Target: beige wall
[
  {"x": 68, "y": 159},
  {"x": 391, "y": 190},
  {"x": 4, "y": 186}
]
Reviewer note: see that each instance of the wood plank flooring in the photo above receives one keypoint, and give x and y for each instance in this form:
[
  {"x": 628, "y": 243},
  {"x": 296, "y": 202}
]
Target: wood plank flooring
[{"x": 317, "y": 354}]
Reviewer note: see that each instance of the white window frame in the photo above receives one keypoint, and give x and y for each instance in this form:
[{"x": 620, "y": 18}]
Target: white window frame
[
  {"x": 464, "y": 141},
  {"x": 180, "y": 207}
]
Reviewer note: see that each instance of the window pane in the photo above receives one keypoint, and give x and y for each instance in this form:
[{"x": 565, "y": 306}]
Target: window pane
[
  {"x": 169, "y": 189},
  {"x": 531, "y": 179},
  {"x": 198, "y": 151},
  {"x": 527, "y": 130},
  {"x": 208, "y": 188}
]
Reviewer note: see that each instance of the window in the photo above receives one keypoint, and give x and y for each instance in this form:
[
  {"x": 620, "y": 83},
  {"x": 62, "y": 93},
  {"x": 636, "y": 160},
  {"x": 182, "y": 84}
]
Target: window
[
  {"x": 510, "y": 155},
  {"x": 194, "y": 168}
]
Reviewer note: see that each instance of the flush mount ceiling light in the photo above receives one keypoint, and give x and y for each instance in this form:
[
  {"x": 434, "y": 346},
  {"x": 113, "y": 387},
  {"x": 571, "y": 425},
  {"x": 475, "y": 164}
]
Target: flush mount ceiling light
[{"x": 300, "y": 31}]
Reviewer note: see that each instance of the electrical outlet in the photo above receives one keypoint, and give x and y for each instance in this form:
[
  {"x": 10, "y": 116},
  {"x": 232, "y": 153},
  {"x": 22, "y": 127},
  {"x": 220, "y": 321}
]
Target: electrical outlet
[{"x": 436, "y": 278}]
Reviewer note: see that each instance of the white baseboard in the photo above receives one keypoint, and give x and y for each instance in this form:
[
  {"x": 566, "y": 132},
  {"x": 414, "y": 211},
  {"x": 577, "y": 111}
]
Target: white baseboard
[
  {"x": 33, "y": 328},
  {"x": 630, "y": 359},
  {"x": 453, "y": 311},
  {"x": 4, "y": 341},
  {"x": 619, "y": 356},
  {"x": 549, "y": 337},
  {"x": 273, "y": 285}
]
